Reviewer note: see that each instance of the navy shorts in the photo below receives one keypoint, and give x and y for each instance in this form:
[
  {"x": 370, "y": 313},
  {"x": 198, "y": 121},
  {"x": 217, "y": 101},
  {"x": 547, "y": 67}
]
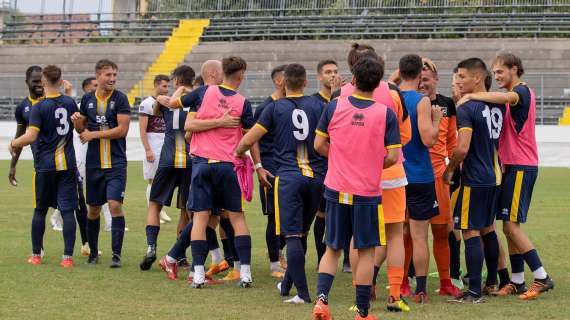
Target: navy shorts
[
  {"x": 421, "y": 201},
  {"x": 166, "y": 179},
  {"x": 516, "y": 193},
  {"x": 349, "y": 216},
  {"x": 267, "y": 200},
  {"x": 297, "y": 200},
  {"x": 214, "y": 185},
  {"x": 56, "y": 189},
  {"x": 103, "y": 185},
  {"x": 474, "y": 208}
]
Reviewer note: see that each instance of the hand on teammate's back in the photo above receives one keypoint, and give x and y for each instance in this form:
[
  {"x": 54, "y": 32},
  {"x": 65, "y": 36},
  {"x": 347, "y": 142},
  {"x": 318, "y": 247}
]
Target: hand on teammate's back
[{"x": 228, "y": 121}]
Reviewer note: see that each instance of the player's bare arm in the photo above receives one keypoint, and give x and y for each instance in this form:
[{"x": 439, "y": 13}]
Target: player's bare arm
[
  {"x": 251, "y": 137},
  {"x": 322, "y": 144},
  {"x": 20, "y": 130},
  {"x": 26, "y": 139},
  {"x": 262, "y": 174},
  {"x": 511, "y": 98},
  {"x": 459, "y": 154},
  {"x": 392, "y": 156},
  {"x": 79, "y": 122},
  {"x": 120, "y": 131},
  {"x": 198, "y": 125},
  {"x": 143, "y": 122},
  {"x": 428, "y": 122}
]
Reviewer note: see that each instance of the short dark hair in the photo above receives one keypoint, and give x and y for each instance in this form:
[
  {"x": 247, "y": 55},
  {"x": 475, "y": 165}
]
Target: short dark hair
[
  {"x": 360, "y": 51},
  {"x": 52, "y": 74},
  {"x": 488, "y": 80},
  {"x": 185, "y": 74},
  {"x": 159, "y": 78},
  {"x": 473, "y": 64},
  {"x": 86, "y": 82},
  {"x": 295, "y": 76},
  {"x": 198, "y": 81},
  {"x": 277, "y": 70},
  {"x": 410, "y": 66},
  {"x": 32, "y": 69},
  {"x": 509, "y": 60},
  {"x": 232, "y": 65},
  {"x": 104, "y": 63},
  {"x": 323, "y": 63},
  {"x": 367, "y": 74}
]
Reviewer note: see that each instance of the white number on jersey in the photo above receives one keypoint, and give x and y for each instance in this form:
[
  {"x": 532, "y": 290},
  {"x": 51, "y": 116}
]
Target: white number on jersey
[
  {"x": 63, "y": 127},
  {"x": 494, "y": 119},
  {"x": 301, "y": 122}
]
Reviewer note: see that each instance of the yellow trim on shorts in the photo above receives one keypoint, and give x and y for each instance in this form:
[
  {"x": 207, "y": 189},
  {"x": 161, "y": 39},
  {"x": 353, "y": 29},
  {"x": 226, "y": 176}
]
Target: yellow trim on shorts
[
  {"x": 465, "y": 208},
  {"x": 261, "y": 127},
  {"x": 516, "y": 197},
  {"x": 276, "y": 204},
  {"x": 381, "y": 225},
  {"x": 322, "y": 134},
  {"x": 345, "y": 198},
  {"x": 454, "y": 197}
]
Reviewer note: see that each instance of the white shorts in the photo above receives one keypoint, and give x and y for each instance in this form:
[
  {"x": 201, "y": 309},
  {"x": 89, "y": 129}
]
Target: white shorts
[{"x": 155, "y": 140}]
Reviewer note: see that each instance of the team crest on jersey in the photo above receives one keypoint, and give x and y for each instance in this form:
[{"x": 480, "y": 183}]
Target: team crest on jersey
[
  {"x": 358, "y": 119},
  {"x": 27, "y": 109},
  {"x": 223, "y": 104},
  {"x": 90, "y": 106},
  {"x": 443, "y": 109},
  {"x": 112, "y": 105}
]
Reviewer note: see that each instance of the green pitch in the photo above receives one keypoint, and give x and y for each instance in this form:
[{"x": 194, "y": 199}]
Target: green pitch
[{"x": 50, "y": 292}]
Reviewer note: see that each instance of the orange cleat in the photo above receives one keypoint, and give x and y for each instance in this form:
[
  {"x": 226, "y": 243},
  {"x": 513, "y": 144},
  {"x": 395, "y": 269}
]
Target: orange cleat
[
  {"x": 233, "y": 275},
  {"x": 537, "y": 288},
  {"x": 66, "y": 263},
  {"x": 510, "y": 289},
  {"x": 171, "y": 269},
  {"x": 368, "y": 317},
  {"x": 217, "y": 268},
  {"x": 278, "y": 274},
  {"x": 35, "y": 260},
  {"x": 321, "y": 311}
]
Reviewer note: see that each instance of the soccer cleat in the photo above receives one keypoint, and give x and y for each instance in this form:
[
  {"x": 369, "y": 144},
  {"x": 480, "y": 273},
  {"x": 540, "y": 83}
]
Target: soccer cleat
[
  {"x": 35, "y": 260},
  {"x": 510, "y": 289},
  {"x": 85, "y": 251},
  {"x": 92, "y": 260},
  {"x": 421, "y": 298},
  {"x": 490, "y": 290},
  {"x": 468, "y": 298},
  {"x": 346, "y": 268},
  {"x": 295, "y": 300},
  {"x": 277, "y": 274},
  {"x": 197, "y": 285},
  {"x": 368, "y": 317},
  {"x": 147, "y": 261},
  {"x": 245, "y": 283},
  {"x": 405, "y": 289},
  {"x": 321, "y": 310},
  {"x": 397, "y": 305},
  {"x": 183, "y": 264},
  {"x": 449, "y": 290},
  {"x": 457, "y": 283},
  {"x": 115, "y": 261},
  {"x": 214, "y": 269},
  {"x": 171, "y": 269},
  {"x": 538, "y": 287},
  {"x": 233, "y": 275},
  {"x": 164, "y": 216},
  {"x": 66, "y": 263},
  {"x": 353, "y": 308}
]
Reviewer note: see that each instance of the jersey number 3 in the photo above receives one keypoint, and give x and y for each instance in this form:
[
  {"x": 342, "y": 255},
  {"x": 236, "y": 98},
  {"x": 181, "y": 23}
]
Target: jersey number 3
[
  {"x": 63, "y": 127},
  {"x": 494, "y": 119},
  {"x": 301, "y": 122}
]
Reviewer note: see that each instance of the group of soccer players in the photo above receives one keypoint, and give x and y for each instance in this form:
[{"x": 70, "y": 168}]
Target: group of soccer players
[{"x": 371, "y": 163}]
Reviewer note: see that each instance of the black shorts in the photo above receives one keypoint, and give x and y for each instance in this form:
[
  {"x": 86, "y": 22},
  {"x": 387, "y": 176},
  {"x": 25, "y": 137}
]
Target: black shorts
[
  {"x": 56, "y": 189},
  {"x": 166, "y": 179},
  {"x": 421, "y": 201},
  {"x": 516, "y": 193},
  {"x": 474, "y": 208},
  {"x": 267, "y": 200}
]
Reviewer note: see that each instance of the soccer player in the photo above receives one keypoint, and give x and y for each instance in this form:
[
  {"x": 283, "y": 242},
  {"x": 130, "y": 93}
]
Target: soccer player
[
  {"x": 103, "y": 122},
  {"x": 292, "y": 122},
  {"x": 421, "y": 198},
  {"x": 268, "y": 163},
  {"x": 441, "y": 225},
  {"x": 151, "y": 130},
  {"x": 479, "y": 126},
  {"x": 217, "y": 118},
  {"x": 518, "y": 153},
  {"x": 54, "y": 179},
  {"x": 352, "y": 183},
  {"x": 174, "y": 167}
]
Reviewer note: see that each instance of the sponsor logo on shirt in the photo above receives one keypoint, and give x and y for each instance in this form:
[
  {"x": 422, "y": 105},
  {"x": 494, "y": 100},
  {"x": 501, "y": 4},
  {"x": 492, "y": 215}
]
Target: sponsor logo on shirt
[
  {"x": 223, "y": 104},
  {"x": 27, "y": 109},
  {"x": 358, "y": 119}
]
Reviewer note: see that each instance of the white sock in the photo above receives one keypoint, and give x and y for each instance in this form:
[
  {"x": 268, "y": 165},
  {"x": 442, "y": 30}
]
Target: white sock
[
  {"x": 517, "y": 278},
  {"x": 237, "y": 265},
  {"x": 199, "y": 274},
  {"x": 107, "y": 214},
  {"x": 540, "y": 273},
  {"x": 274, "y": 266},
  {"x": 216, "y": 255},
  {"x": 170, "y": 259},
  {"x": 245, "y": 272},
  {"x": 148, "y": 193}
]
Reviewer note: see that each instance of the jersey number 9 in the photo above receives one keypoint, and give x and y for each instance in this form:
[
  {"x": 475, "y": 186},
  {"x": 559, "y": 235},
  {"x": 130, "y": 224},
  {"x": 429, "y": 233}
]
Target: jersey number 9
[{"x": 301, "y": 122}]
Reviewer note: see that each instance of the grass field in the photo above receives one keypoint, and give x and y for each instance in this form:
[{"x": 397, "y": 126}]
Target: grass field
[{"x": 50, "y": 292}]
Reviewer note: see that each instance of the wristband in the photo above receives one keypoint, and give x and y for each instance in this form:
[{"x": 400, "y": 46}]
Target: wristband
[{"x": 258, "y": 166}]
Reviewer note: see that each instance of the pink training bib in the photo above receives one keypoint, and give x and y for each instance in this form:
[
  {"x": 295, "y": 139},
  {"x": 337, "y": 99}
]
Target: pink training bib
[{"x": 220, "y": 143}]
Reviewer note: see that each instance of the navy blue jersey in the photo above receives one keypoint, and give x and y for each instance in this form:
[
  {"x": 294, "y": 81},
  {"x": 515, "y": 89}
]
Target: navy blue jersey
[
  {"x": 24, "y": 109},
  {"x": 519, "y": 111},
  {"x": 102, "y": 115},
  {"x": 324, "y": 99},
  {"x": 481, "y": 165},
  {"x": 174, "y": 151},
  {"x": 54, "y": 146},
  {"x": 266, "y": 142},
  {"x": 293, "y": 121}
]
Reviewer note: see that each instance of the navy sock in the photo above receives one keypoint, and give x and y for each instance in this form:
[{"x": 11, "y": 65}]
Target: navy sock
[
  {"x": 504, "y": 278},
  {"x": 212, "y": 238},
  {"x": 324, "y": 284},
  {"x": 199, "y": 252},
  {"x": 69, "y": 230},
  {"x": 474, "y": 261},
  {"x": 421, "y": 284},
  {"x": 81, "y": 213},
  {"x": 363, "y": 299},
  {"x": 226, "y": 225},
  {"x": 117, "y": 234},
  {"x": 411, "y": 269},
  {"x": 296, "y": 267},
  {"x": 178, "y": 250},
  {"x": 287, "y": 283},
  {"x": 227, "y": 251},
  {"x": 271, "y": 239},
  {"x": 374, "y": 279},
  {"x": 491, "y": 250},
  {"x": 319, "y": 233},
  {"x": 38, "y": 230},
  {"x": 532, "y": 259},
  {"x": 152, "y": 235},
  {"x": 243, "y": 247},
  {"x": 454, "y": 256},
  {"x": 92, "y": 229}
]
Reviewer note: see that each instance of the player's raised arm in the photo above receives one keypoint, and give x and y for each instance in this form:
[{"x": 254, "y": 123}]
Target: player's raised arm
[
  {"x": 251, "y": 137},
  {"x": 511, "y": 98},
  {"x": 428, "y": 122}
]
